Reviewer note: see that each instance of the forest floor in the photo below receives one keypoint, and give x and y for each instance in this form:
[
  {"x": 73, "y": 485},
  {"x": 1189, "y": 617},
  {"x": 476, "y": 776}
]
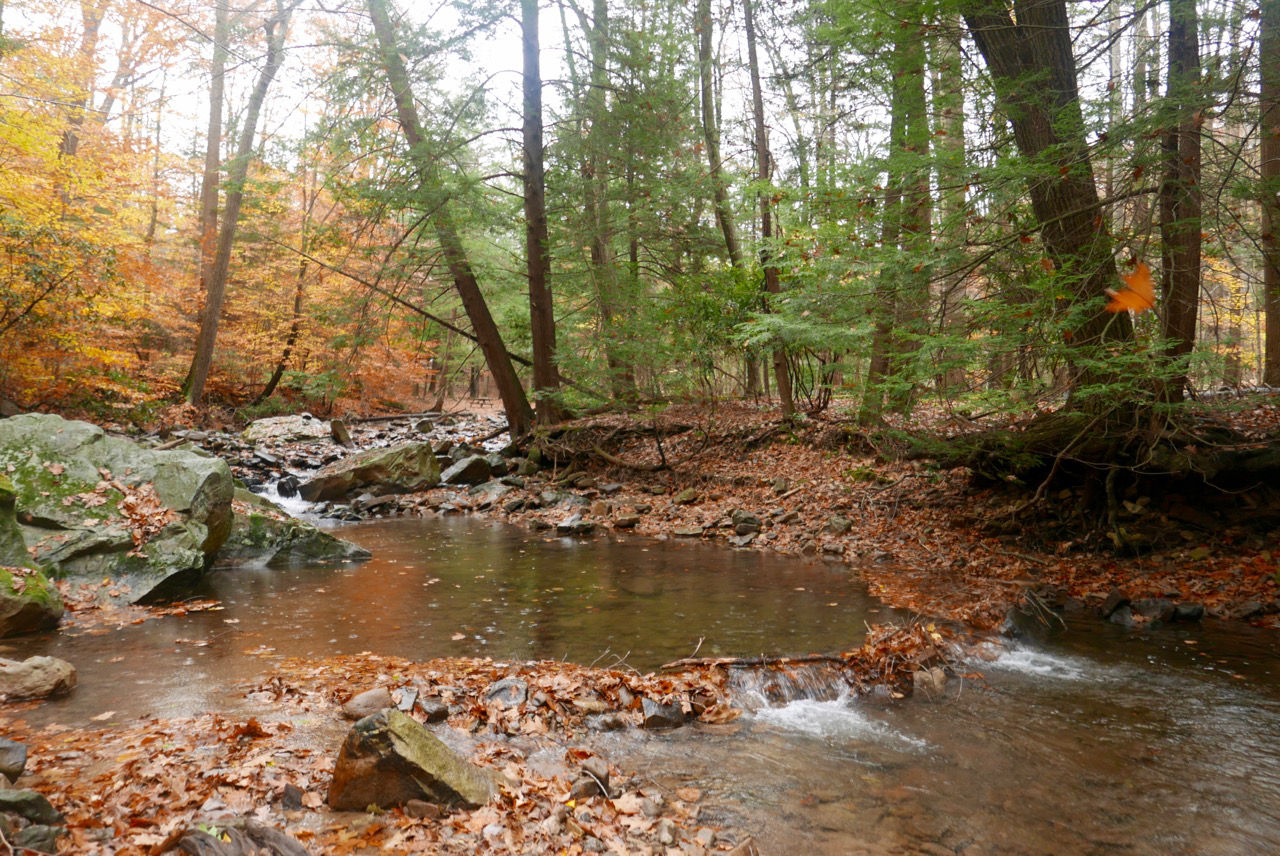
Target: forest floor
[{"x": 928, "y": 539}]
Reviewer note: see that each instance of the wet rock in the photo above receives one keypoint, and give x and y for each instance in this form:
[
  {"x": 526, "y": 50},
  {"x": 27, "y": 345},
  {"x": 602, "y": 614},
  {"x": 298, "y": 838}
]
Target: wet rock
[
  {"x": 832, "y": 548},
  {"x": 610, "y": 489},
  {"x": 287, "y": 486},
  {"x": 781, "y": 486},
  {"x": 38, "y": 838},
  {"x": 744, "y": 522},
  {"x": 13, "y": 758},
  {"x": 606, "y": 722},
  {"x": 659, "y": 715},
  {"x": 626, "y": 521},
  {"x": 389, "y": 759},
  {"x": 642, "y": 508},
  {"x": 1114, "y": 601},
  {"x": 837, "y": 525},
  {"x": 1249, "y": 609},
  {"x": 30, "y": 805},
  {"x": 473, "y": 469},
  {"x": 339, "y": 433},
  {"x": 498, "y": 465},
  {"x": 285, "y": 429},
  {"x": 932, "y": 681},
  {"x": 742, "y": 540},
  {"x": 1154, "y": 608},
  {"x": 407, "y": 697},
  {"x": 404, "y": 468},
  {"x": 688, "y": 496},
  {"x": 70, "y": 516},
  {"x": 687, "y": 531},
  {"x": 261, "y": 531},
  {"x": 367, "y": 703},
  {"x": 514, "y": 505},
  {"x": 36, "y": 677},
  {"x": 525, "y": 467},
  {"x": 575, "y": 525},
  {"x": 266, "y": 457},
  {"x": 1123, "y": 617},
  {"x": 1188, "y": 611},
  {"x": 507, "y": 693},
  {"x": 666, "y": 831}
]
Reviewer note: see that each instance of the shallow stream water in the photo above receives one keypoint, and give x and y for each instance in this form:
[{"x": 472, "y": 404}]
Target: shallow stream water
[{"x": 1090, "y": 740}]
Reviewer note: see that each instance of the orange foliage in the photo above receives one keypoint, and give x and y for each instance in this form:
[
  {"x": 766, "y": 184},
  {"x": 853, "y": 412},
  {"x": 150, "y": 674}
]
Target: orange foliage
[{"x": 1138, "y": 295}]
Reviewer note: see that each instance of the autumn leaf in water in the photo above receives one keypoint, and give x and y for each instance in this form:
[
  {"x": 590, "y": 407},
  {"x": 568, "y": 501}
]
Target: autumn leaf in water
[{"x": 1138, "y": 294}]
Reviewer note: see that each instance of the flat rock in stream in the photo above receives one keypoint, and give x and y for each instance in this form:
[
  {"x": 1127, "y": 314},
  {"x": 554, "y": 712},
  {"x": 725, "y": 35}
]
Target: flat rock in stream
[
  {"x": 659, "y": 715},
  {"x": 91, "y": 506},
  {"x": 405, "y": 468},
  {"x": 285, "y": 429},
  {"x": 264, "y": 532},
  {"x": 389, "y": 758}
]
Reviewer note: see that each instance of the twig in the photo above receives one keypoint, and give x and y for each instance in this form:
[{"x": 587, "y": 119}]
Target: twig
[{"x": 748, "y": 662}]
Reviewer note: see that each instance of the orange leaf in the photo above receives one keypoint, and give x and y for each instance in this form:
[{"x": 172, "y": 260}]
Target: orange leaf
[{"x": 1138, "y": 295}]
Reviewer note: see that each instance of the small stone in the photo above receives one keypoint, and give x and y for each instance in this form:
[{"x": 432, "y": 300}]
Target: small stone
[
  {"x": 1155, "y": 608},
  {"x": 1123, "y": 617},
  {"x": 606, "y": 722},
  {"x": 610, "y": 489},
  {"x": 514, "y": 505},
  {"x": 291, "y": 798},
  {"x": 575, "y": 525},
  {"x": 687, "y": 532},
  {"x": 781, "y": 486},
  {"x": 788, "y": 517},
  {"x": 666, "y": 832},
  {"x": 287, "y": 486},
  {"x": 742, "y": 540},
  {"x": 593, "y": 845},
  {"x": 507, "y": 693},
  {"x": 422, "y": 810},
  {"x": 809, "y": 548},
  {"x": 626, "y": 521},
  {"x": 932, "y": 681},
  {"x": 13, "y": 758},
  {"x": 659, "y": 715},
  {"x": 688, "y": 496},
  {"x": 366, "y": 703},
  {"x": 474, "y": 469},
  {"x": 1248, "y": 609},
  {"x": 599, "y": 508},
  {"x": 837, "y": 525},
  {"x": 583, "y": 787},
  {"x": 706, "y": 836},
  {"x": 1114, "y": 601},
  {"x": 338, "y": 431},
  {"x": 642, "y": 508},
  {"x": 434, "y": 710}
]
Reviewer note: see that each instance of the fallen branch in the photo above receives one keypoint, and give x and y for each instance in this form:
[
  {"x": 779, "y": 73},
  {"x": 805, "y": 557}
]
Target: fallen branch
[
  {"x": 751, "y": 662},
  {"x": 626, "y": 465}
]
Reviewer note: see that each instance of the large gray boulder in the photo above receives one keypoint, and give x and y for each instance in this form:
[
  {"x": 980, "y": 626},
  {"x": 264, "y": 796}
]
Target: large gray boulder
[
  {"x": 404, "y": 468},
  {"x": 389, "y": 758},
  {"x": 90, "y": 505},
  {"x": 263, "y": 532},
  {"x": 35, "y": 677}
]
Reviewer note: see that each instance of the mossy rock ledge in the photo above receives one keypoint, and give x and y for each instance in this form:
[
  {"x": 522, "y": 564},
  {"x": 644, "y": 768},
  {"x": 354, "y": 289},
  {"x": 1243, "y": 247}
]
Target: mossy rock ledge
[
  {"x": 94, "y": 508},
  {"x": 264, "y": 533}
]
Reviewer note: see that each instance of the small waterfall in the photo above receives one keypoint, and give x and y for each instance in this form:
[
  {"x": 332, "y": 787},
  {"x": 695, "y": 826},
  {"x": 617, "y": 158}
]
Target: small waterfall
[
  {"x": 294, "y": 506},
  {"x": 754, "y": 689}
]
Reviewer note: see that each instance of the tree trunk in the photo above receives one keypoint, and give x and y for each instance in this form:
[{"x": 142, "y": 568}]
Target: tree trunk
[
  {"x": 542, "y": 322},
  {"x": 711, "y": 133},
  {"x": 514, "y": 402},
  {"x": 237, "y": 173},
  {"x": 1180, "y": 193},
  {"x": 1269, "y": 131},
  {"x": 91, "y": 20},
  {"x": 1035, "y": 81},
  {"x": 772, "y": 284}
]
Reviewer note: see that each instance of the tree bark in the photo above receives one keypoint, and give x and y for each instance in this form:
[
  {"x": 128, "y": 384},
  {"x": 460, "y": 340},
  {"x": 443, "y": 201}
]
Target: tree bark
[
  {"x": 772, "y": 283},
  {"x": 238, "y": 171},
  {"x": 542, "y": 322},
  {"x": 711, "y": 133},
  {"x": 1180, "y": 193},
  {"x": 1035, "y": 80},
  {"x": 1269, "y": 131},
  {"x": 519, "y": 415}
]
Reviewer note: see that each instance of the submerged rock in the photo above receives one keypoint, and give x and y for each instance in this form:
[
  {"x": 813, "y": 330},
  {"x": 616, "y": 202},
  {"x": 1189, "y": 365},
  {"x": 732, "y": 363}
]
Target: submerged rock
[
  {"x": 262, "y": 531},
  {"x": 404, "y": 468},
  {"x": 90, "y": 505},
  {"x": 389, "y": 759},
  {"x": 36, "y": 677}
]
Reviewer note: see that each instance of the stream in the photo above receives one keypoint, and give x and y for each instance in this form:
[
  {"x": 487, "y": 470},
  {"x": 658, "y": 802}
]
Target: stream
[{"x": 1089, "y": 740}]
